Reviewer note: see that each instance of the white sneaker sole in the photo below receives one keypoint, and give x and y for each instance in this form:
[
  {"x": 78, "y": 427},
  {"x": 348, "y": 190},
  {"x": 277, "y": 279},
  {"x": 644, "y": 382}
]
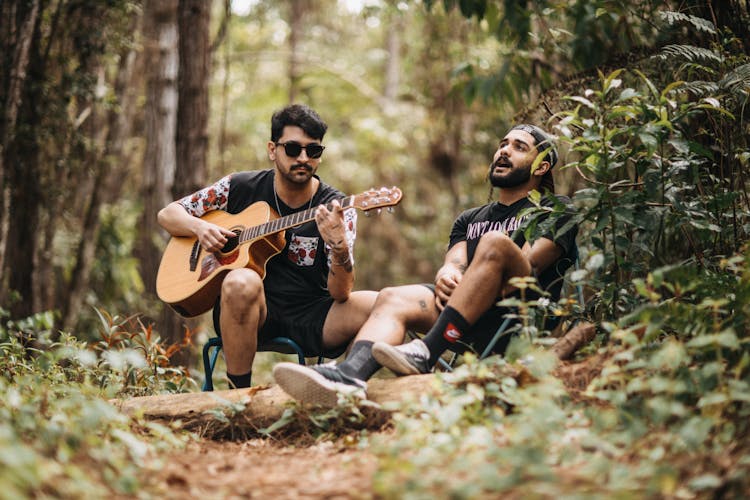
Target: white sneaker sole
[
  {"x": 390, "y": 357},
  {"x": 308, "y": 386}
]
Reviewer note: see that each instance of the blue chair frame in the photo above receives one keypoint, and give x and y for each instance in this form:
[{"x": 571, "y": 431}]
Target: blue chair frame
[{"x": 214, "y": 345}]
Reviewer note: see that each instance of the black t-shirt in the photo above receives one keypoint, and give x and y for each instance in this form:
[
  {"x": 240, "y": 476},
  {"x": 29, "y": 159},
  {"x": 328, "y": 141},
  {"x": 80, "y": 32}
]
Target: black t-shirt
[
  {"x": 473, "y": 223},
  {"x": 299, "y": 273}
]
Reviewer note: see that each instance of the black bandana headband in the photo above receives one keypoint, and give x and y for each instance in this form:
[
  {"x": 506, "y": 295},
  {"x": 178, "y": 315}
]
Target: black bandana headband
[{"x": 543, "y": 141}]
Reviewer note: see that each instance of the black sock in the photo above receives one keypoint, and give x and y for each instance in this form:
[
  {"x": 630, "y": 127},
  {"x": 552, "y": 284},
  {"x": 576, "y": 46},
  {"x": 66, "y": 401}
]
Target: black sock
[
  {"x": 360, "y": 363},
  {"x": 240, "y": 381},
  {"x": 449, "y": 327}
]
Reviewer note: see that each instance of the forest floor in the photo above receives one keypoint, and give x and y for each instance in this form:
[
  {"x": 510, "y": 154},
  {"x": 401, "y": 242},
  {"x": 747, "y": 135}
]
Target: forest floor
[
  {"x": 260, "y": 468},
  {"x": 265, "y": 468}
]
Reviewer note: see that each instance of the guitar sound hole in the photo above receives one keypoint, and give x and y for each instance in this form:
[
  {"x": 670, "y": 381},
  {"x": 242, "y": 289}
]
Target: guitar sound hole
[{"x": 232, "y": 243}]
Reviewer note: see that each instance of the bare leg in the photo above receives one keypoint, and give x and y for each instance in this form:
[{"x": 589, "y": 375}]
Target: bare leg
[
  {"x": 346, "y": 318},
  {"x": 243, "y": 310},
  {"x": 497, "y": 260},
  {"x": 398, "y": 309}
]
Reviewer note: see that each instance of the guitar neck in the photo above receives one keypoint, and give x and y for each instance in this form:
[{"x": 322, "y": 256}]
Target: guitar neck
[{"x": 282, "y": 223}]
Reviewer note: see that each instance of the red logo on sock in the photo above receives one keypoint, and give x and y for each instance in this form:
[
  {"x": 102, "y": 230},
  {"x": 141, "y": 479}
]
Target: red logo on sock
[{"x": 451, "y": 333}]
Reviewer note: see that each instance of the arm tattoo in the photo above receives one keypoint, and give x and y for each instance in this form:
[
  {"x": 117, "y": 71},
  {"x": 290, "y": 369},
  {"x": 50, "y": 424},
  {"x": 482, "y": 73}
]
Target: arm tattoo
[{"x": 423, "y": 305}]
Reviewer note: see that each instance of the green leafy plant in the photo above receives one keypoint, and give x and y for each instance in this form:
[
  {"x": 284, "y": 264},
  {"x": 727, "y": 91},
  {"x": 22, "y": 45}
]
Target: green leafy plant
[{"x": 59, "y": 434}]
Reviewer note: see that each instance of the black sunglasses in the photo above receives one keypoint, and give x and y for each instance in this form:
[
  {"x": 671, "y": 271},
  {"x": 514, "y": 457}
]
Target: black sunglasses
[{"x": 294, "y": 149}]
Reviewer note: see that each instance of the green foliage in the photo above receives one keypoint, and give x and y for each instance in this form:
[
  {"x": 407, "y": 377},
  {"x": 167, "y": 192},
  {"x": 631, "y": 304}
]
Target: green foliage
[
  {"x": 656, "y": 194},
  {"x": 665, "y": 222},
  {"x": 59, "y": 435},
  {"x": 687, "y": 347},
  {"x": 495, "y": 428},
  {"x": 133, "y": 360}
]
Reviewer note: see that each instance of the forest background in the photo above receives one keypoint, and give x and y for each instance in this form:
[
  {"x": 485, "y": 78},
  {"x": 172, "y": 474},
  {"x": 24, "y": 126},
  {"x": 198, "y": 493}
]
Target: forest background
[{"x": 111, "y": 109}]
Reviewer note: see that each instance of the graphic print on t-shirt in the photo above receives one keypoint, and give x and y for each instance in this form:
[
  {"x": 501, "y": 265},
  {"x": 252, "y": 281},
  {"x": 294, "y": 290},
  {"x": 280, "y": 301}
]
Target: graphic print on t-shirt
[
  {"x": 477, "y": 229},
  {"x": 302, "y": 250}
]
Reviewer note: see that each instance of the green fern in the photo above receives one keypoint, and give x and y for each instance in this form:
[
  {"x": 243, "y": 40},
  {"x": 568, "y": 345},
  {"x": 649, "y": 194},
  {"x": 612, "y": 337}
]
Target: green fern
[
  {"x": 674, "y": 18},
  {"x": 737, "y": 82},
  {"x": 689, "y": 53}
]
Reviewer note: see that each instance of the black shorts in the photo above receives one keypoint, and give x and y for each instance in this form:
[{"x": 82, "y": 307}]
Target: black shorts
[{"x": 302, "y": 324}]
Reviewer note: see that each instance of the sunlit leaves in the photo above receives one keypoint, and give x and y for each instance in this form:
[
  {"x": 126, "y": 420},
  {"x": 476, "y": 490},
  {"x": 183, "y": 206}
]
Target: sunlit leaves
[{"x": 58, "y": 433}]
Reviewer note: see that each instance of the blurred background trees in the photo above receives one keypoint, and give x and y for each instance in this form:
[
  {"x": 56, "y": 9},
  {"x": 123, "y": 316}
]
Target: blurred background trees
[{"x": 112, "y": 109}]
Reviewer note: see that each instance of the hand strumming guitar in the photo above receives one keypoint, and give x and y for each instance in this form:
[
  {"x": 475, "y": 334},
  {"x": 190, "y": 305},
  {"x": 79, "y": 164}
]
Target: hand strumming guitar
[{"x": 211, "y": 236}]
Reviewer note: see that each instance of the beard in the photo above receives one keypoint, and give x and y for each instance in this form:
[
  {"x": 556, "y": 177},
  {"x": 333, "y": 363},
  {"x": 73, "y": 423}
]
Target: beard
[
  {"x": 297, "y": 173},
  {"x": 514, "y": 177}
]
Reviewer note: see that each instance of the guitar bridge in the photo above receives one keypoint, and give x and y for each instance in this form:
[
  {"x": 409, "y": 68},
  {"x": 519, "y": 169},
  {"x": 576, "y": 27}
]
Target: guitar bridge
[{"x": 194, "y": 256}]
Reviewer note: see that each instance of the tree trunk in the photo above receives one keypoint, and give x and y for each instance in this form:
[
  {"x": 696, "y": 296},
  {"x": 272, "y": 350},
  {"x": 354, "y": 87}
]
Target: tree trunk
[
  {"x": 393, "y": 63},
  {"x": 160, "y": 33},
  {"x": 106, "y": 185},
  {"x": 192, "y": 111},
  {"x": 263, "y": 405},
  {"x": 192, "y": 135},
  {"x": 578, "y": 336},
  {"x": 297, "y": 9},
  {"x": 19, "y": 25}
]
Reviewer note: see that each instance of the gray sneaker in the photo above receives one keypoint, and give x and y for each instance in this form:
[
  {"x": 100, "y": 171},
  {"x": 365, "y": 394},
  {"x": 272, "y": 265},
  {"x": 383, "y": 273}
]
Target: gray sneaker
[
  {"x": 318, "y": 385},
  {"x": 407, "y": 359}
]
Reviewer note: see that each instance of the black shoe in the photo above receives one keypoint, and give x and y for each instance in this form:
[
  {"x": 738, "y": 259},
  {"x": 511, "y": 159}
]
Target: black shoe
[
  {"x": 406, "y": 359},
  {"x": 319, "y": 384}
]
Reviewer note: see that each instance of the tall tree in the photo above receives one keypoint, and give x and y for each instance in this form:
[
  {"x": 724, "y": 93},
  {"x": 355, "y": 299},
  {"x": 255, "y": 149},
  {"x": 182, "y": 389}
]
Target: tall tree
[
  {"x": 192, "y": 127},
  {"x": 17, "y": 234},
  {"x": 108, "y": 171},
  {"x": 192, "y": 112},
  {"x": 161, "y": 52},
  {"x": 297, "y": 10}
]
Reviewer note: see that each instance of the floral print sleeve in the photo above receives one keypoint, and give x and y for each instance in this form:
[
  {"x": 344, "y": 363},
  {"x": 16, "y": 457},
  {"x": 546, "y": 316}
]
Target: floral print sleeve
[
  {"x": 350, "y": 223},
  {"x": 213, "y": 197}
]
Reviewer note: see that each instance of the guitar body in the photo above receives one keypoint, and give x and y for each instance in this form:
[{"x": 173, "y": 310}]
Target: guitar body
[{"x": 189, "y": 278}]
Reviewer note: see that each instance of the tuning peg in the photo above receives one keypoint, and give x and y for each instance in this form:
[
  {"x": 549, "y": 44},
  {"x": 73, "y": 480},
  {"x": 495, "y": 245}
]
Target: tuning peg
[
  {"x": 390, "y": 210},
  {"x": 367, "y": 214},
  {"x": 379, "y": 210}
]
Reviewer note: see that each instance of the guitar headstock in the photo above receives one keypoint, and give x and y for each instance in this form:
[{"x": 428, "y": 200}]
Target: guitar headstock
[{"x": 377, "y": 198}]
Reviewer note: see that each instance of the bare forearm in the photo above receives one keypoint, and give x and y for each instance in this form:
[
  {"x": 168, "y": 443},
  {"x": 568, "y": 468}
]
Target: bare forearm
[
  {"x": 341, "y": 275},
  {"x": 177, "y": 222}
]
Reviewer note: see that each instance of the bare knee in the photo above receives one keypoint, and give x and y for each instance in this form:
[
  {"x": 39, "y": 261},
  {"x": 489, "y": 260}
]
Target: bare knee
[
  {"x": 241, "y": 286},
  {"x": 405, "y": 303},
  {"x": 497, "y": 249},
  {"x": 389, "y": 298}
]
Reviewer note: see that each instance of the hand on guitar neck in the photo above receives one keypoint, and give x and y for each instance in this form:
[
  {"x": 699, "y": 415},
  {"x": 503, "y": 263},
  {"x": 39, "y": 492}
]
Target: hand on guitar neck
[{"x": 198, "y": 257}]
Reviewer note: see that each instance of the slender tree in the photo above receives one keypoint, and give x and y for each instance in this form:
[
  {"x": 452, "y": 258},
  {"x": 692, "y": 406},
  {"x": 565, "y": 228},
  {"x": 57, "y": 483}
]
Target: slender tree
[
  {"x": 17, "y": 234},
  {"x": 161, "y": 45}
]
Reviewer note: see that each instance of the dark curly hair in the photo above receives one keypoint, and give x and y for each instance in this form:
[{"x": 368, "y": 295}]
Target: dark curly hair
[{"x": 301, "y": 116}]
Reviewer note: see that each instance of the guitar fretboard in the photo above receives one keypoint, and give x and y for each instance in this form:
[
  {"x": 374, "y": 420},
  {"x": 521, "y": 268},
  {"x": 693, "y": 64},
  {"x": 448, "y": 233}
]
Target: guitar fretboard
[{"x": 282, "y": 223}]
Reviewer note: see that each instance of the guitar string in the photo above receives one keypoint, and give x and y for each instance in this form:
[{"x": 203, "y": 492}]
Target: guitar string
[{"x": 278, "y": 208}]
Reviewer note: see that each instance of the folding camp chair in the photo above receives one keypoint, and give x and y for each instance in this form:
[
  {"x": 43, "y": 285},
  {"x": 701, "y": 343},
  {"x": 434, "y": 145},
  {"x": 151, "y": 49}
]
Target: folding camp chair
[{"x": 213, "y": 346}]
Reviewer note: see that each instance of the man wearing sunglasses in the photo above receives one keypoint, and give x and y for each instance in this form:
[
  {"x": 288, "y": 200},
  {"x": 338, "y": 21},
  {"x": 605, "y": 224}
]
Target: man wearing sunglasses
[
  {"x": 306, "y": 294},
  {"x": 487, "y": 248}
]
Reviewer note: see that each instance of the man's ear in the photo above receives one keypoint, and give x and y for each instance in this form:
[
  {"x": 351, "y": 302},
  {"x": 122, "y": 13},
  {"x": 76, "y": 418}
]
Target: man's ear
[
  {"x": 271, "y": 150},
  {"x": 542, "y": 168}
]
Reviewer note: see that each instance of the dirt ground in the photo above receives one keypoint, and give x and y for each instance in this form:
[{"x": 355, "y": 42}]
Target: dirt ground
[
  {"x": 262, "y": 468},
  {"x": 259, "y": 468}
]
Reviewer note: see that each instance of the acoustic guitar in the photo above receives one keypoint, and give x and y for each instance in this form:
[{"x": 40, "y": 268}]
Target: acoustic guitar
[{"x": 189, "y": 278}]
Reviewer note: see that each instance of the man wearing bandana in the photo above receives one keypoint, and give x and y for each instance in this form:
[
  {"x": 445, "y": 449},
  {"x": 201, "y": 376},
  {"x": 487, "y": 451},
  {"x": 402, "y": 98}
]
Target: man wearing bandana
[{"x": 487, "y": 248}]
